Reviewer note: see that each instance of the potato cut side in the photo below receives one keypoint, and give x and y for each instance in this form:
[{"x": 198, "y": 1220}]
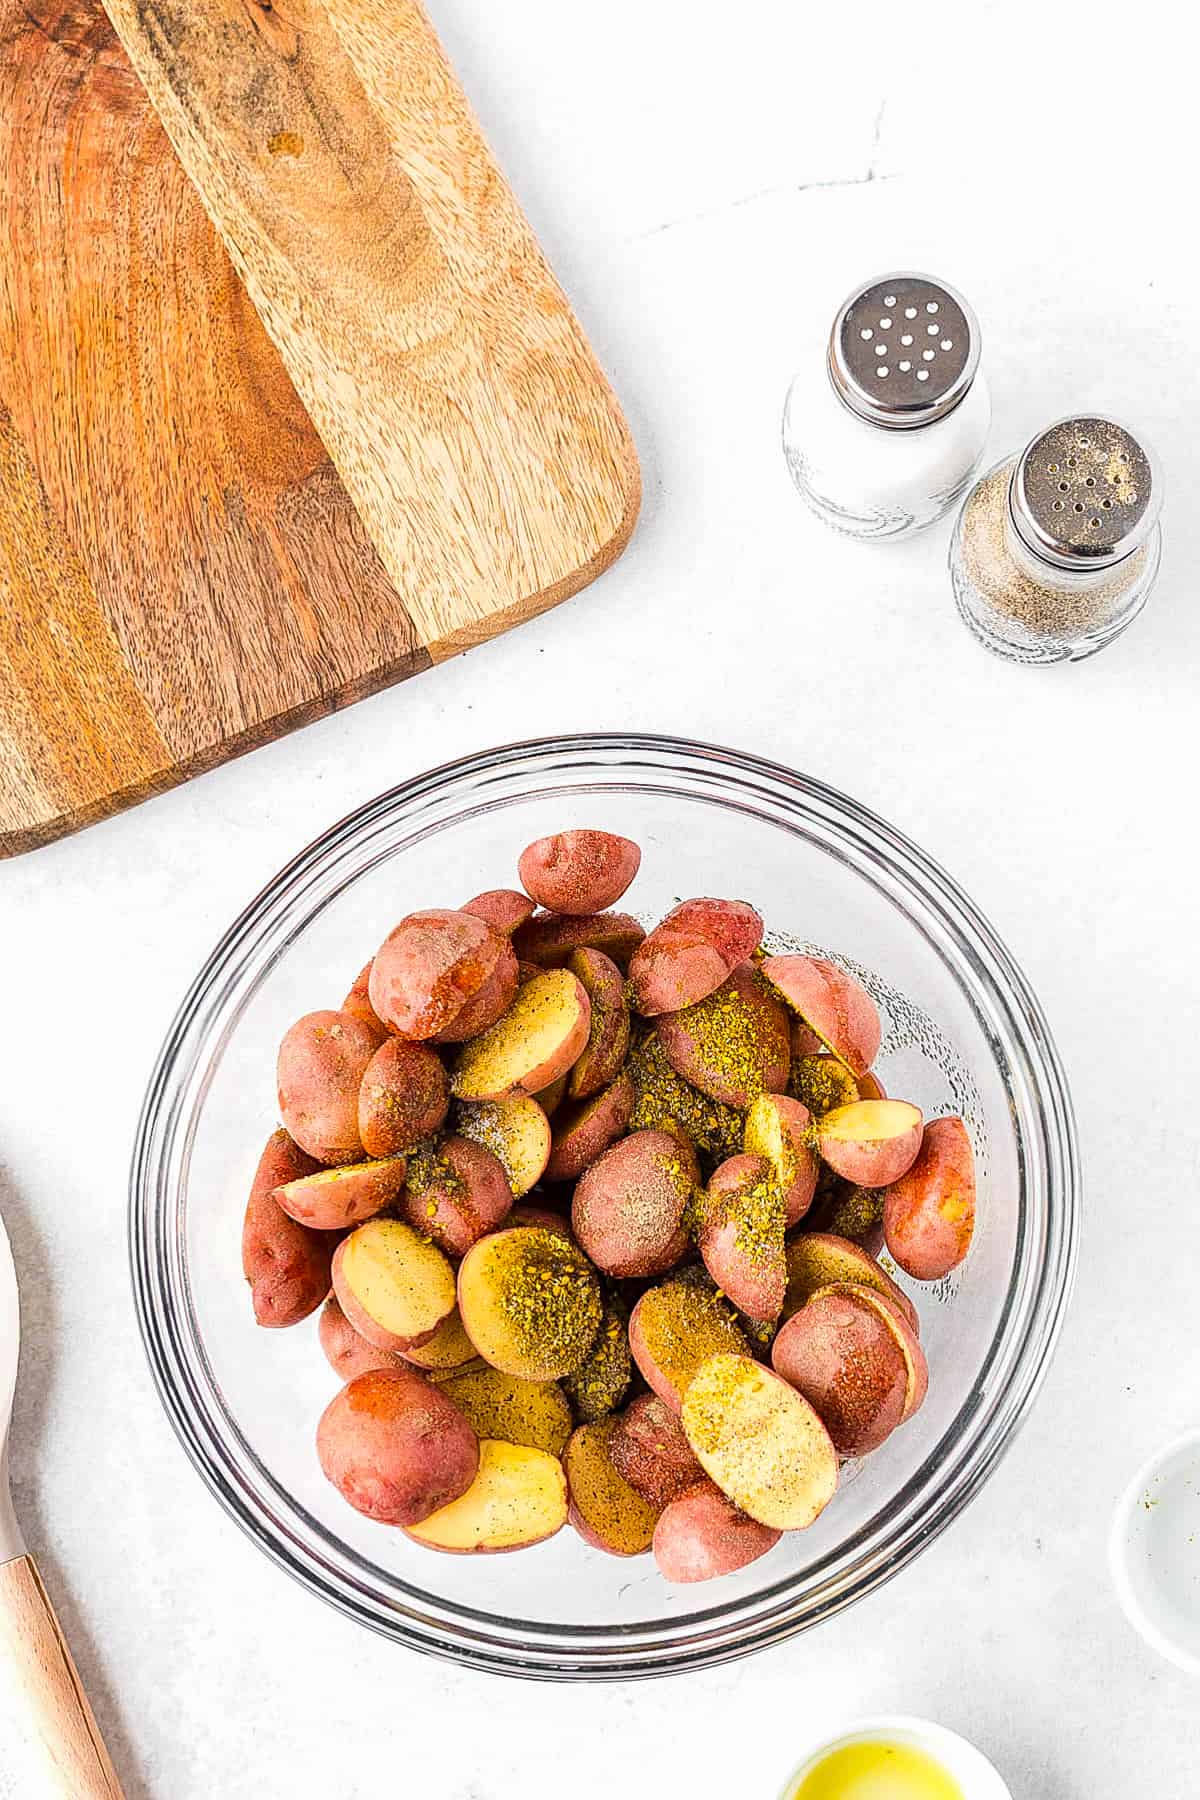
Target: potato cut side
[
  {"x": 530, "y": 1301},
  {"x": 781, "y": 1129},
  {"x": 871, "y": 1141},
  {"x": 334, "y": 1198},
  {"x": 448, "y": 1348},
  {"x": 511, "y": 1409},
  {"x": 674, "y": 1328},
  {"x": 537, "y": 1040},
  {"x": 605, "y": 1511},
  {"x": 516, "y": 1131},
  {"x": 389, "y": 1275},
  {"x": 519, "y": 1497},
  {"x": 760, "y": 1441},
  {"x": 815, "y": 1259}
]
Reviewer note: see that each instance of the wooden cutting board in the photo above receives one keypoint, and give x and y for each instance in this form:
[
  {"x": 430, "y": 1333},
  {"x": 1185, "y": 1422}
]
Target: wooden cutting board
[{"x": 183, "y": 573}]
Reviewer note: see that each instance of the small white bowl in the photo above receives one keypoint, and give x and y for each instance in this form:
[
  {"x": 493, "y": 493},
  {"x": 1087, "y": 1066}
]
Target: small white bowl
[
  {"x": 969, "y": 1766},
  {"x": 1154, "y": 1552}
]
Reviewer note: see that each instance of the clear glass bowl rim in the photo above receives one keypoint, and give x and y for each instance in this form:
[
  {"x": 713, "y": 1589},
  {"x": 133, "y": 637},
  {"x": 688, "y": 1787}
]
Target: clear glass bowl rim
[{"x": 949, "y": 1477}]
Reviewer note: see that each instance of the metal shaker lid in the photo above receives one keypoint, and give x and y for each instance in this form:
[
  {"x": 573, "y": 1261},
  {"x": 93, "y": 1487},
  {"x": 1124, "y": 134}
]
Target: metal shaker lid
[
  {"x": 1085, "y": 493},
  {"x": 903, "y": 351}
]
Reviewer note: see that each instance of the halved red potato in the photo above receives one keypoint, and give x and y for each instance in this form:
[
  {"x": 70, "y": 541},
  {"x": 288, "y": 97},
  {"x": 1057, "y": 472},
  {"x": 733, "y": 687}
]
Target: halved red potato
[
  {"x": 457, "y": 1192},
  {"x": 504, "y": 909},
  {"x": 489, "y": 1004},
  {"x": 518, "y": 1498},
  {"x": 448, "y": 1350},
  {"x": 628, "y": 1208},
  {"x": 395, "y": 1447},
  {"x": 332, "y": 1199},
  {"x": 358, "y": 1004},
  {"x": 871, "y": 1141},
  {"x": 815, "y": 1259},
  {"x": 605, "y": 1511},
  {"x": 910, "y": 1344},
  {"x": 832, "y": 1003},
  {"x": 782, "y": 1130},
  {"x": 578, "y": 872},
  {"x": 517, "y": 1133},
  {"x": 929, "y": 1212},
  {"x": 760, "y": 1442},
  {"x": 733, "y": 1044},
  {"x": 403, "y": 1098},
  {"x": 702, "y": 1534},
  {"x": 603, "y": 1056},
  {"x": 511, "y": 1409},
  {"x": 690, "y": 953},
  {"x": 530, "y": 1301},
  {"x": 286, "y": 1264},
  {"x": 674, "y": 1328},
  {"x": 322, "y": 1060},
  {"x": 584, "y": 1130},
  {"x": 429, "y": 967},
  {"x": 741, "y": 1235},
  {"x": 549, "y": 938},
  {"x": 597, "y": 1387},
  {"x": 664, "y": 1099},
  {"x": 844, "y": 1356},
  {"x": 649, "y": 1449},
  {"x": 822, "y": 1083},
  {"x": 393, "y": 1285},
  {"x": 536, "y": 1041},
  {"x": 346, "y": 1351}
]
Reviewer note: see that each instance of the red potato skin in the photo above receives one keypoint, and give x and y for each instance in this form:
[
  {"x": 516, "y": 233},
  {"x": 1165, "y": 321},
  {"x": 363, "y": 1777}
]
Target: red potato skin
[
  {"x": 649, "y": 1451},
  {"x": 870, "y": 1087},
  {"x": 493, "y": 999},
  {"x": 702, "y": 1535},
  {"x": 929, "y": 1213},
  {"x": 805, "y": 1041},
  {"x": 603, "y": 1056},
  {"x": 549, "y": 939},
  {"x": 504, "y": 909},
  {"x": 797, "y": 1123},
  {"x": 321, "y": 1063},
  {"x": 759, "y": 1064},
  {"x": 429, "y": 967},
  {"x": 627, "y": 1211},
  {"x": 871, "y": 1163},
  {"x": 756, "y": 1282},
  {"x": 286, "y": 1264},
  {"x": 584, "y": 1131},
  {"x": 361, "y": 1319},
  {"x": 458, "y": 1207},
  {"x": 690, "y": 953},
  {"x": 346, "y": 1351},
  {"x": 919, "y": 1380},
  {"x": 578, "y": 872},
  {"x": 404, "y": 1098},
  {"x": 358, "y": 1003},
  {"x": 396, "y": 1447},
  {"x": 846, "y": 1248},
  {"x": 845, "y": 1358},
  {"x": 832, "y": 1003},
  {"x": 336, "y": 1199}
]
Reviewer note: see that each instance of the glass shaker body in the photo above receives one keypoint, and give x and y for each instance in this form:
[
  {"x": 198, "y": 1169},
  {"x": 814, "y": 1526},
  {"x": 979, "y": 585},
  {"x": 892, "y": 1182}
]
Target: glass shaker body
[{"x": 885, "y": 423}]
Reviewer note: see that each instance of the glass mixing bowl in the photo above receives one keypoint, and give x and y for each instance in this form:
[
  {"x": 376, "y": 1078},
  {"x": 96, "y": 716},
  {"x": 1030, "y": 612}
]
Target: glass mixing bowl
[{"x": 963, "y": 1032}]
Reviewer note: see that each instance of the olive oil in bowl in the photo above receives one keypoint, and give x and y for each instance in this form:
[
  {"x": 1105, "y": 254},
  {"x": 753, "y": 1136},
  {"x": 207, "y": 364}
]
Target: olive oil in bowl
[{"x": 877, "y": 1770}]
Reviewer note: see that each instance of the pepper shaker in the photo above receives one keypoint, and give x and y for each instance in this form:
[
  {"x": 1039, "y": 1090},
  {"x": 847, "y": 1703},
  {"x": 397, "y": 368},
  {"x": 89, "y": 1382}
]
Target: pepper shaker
[
  {"x": 1056, "y": 549},
  {"x": 885, "y": 426}
]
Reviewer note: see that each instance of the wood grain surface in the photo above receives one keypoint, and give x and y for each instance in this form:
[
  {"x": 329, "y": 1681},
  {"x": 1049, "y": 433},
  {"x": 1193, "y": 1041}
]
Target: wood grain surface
[
  {"x": 51, "y": 1745},
  {"x": 182, "y": 572}
]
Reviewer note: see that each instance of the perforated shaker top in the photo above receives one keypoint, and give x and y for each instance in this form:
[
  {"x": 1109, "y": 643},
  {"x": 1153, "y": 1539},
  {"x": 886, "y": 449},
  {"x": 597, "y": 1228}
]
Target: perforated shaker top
[
  {"x": 904, "y": 351},
  {"x": 1085, "y": 493}
]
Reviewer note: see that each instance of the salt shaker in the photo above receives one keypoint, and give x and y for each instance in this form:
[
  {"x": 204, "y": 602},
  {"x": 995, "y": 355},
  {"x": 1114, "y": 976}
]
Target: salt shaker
[
  {"x": 884, "y": 426},
  {"x": 1056, "y": 550}
]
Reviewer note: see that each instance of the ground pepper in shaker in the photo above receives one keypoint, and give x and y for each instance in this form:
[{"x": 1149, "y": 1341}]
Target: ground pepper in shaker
[
  {"x": 885, "y": 425},
  {"x": 1056, "y": 550}
]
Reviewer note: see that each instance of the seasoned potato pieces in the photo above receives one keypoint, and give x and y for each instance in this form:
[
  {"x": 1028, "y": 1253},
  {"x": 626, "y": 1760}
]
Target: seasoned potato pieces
[
  {"x": 578, "y": 872},
  {"x": 456, "y": 1192},
  {"x": 530, "y": 1301},
  {"x": 603, "y": 1056},
  {"x": 403, "y": 1098},
  {"x": 395, "y": 1447},
  {"x": 649, "y": 1449},
  {"x": 663, "y": 1099},
  {"x": 782, "y": 1130},
  {"x": 286, "y": 1264},
  {"x": 822, "y": 1083},
  {"x": 741, "y": 1236},
  {"x": 760, "y": 1442},
  {"x": 702, "y": 1534},
  {"x": 322, "y": 1060},
  {"x": 332, "y": 1199},
  {"x": 597, "y": 1387},
  {"x": 929, "y": 1212},
  {"x": 733, "y": 1045},
  {"x": 430, "y": 967},
  {"x": 392, "y": 1284},
  {"x": 871, "y": 1141},
  {"x": 584, "y": 1130},
  {"x": 536, "y": 1041},
  {"x": 628, "y": 1208},
  {"x": 815, "y": 1259},
  {"x": 846, "y": 1358},
  {"x": 832, "y": 1003},
  {"x": 605, "y": 1511},
  {"x": 516, "y": 1131},
  {"x": 674, "y": 1328},
  {"x": 686, "y": 957},
  {"x": 518, "y": 1498},
  {"x": 549, "y": 939},
  {"x": 495, "y": 1405}
]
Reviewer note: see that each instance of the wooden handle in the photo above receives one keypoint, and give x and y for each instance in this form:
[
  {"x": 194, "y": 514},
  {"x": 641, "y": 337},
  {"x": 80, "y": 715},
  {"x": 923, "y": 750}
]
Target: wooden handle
[{"x": 46, "y": 1723}]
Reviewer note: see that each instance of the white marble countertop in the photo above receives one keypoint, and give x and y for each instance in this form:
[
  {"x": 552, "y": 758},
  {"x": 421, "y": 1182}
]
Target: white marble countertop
[{"x": 707, "y": 191}]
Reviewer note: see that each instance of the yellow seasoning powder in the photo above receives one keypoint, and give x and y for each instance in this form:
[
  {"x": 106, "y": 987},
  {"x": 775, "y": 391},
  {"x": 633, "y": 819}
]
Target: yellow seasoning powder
[{"x": 877, "y": 1771}]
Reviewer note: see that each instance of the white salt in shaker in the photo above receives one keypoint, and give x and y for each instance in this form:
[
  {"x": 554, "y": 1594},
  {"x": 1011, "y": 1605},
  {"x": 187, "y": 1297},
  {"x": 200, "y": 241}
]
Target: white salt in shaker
[
  {"x": 1056, "y": 550},
  {"x": 885, "y": 425}
]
